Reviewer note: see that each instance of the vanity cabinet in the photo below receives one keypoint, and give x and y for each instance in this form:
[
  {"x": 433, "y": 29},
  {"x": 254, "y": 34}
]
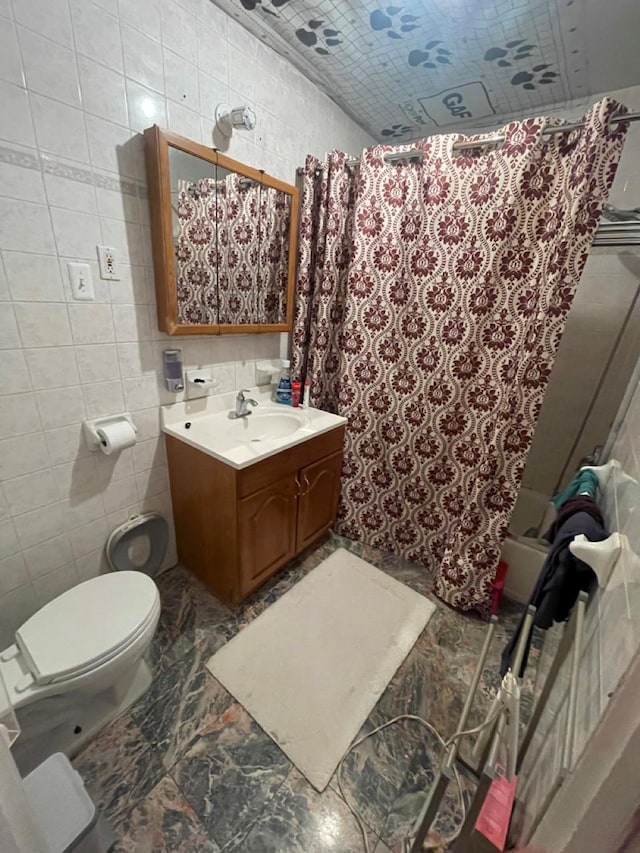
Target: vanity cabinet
[{"x": 236, "y": 527}]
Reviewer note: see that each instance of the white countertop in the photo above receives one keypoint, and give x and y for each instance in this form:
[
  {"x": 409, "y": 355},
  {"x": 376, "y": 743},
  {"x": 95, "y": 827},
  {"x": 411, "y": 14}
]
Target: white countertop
[{"x": 239, "y": 443}]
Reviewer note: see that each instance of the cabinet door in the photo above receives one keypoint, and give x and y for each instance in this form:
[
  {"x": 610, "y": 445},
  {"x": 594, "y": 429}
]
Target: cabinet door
[
  {"x": 267, "y": 530},
  {"x": 318, "y": 501}
]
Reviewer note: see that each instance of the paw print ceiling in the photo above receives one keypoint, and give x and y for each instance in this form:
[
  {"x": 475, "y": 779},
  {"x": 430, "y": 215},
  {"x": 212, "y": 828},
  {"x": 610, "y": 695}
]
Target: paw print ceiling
[{"x": 403, "y": 71}]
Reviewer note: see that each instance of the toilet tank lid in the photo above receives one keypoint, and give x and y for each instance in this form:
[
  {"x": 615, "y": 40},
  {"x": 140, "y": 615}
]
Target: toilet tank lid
[{"x": 86, "y": 624}]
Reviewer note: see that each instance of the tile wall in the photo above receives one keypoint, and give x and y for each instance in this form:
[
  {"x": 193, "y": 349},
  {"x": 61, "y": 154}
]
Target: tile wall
[{"x": 78, "y": 81}]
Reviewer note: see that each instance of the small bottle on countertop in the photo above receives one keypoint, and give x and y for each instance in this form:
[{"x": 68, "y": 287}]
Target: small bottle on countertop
[
  {"x": 283, "y": 391},
  {"x": 306, "y": 402},
  {"x": 296, "y": 393}
]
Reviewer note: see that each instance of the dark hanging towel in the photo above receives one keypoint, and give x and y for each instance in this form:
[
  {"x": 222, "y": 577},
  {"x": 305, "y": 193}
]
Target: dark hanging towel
[{"x": 562, "y": 577}]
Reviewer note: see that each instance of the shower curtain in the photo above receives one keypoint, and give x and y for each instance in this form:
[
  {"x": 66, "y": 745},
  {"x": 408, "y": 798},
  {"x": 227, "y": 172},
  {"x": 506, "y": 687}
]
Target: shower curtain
[{"x": 431, "y": 300}]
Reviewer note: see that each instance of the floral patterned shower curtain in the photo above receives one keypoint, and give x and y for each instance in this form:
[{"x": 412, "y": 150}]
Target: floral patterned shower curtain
[{"x": 436, "y": 333}]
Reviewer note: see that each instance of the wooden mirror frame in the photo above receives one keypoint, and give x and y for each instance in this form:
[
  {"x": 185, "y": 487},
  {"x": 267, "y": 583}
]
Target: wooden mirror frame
[{"x": 157, "y": 143}]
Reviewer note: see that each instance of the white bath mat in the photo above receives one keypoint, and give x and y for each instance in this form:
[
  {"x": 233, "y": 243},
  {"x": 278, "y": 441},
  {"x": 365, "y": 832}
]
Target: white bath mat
[{"x": 311, "y": 667}]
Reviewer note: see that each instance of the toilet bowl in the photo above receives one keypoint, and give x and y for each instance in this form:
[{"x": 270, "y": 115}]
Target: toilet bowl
[{"x": 78, "y": 662}]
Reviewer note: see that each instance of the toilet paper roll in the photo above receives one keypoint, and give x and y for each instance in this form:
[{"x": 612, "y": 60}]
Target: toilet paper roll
[{"x": 116, "y": 436}]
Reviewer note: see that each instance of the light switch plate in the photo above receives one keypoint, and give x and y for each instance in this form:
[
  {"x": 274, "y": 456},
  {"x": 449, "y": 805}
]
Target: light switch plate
[
  {"x": 108, "y": 260},
  {"x": 81, "y": 282}
]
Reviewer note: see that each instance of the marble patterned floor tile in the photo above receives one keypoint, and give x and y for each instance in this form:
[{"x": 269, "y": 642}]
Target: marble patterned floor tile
[
  {"x": 229, "y": 786},
  {"x": 183, "y": 703},
  {"x": 230, "y": 773},
  {"x": 119, "y": 768},
  {"x": 163, "y": 822},
  {"x": 310, "y": 822},
  {"x": 191, "y": 616}
]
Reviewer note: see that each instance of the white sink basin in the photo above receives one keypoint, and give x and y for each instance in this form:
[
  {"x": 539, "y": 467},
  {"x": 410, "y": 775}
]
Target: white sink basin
[
  {"x": 205, "y": 423},
  {"x": 267, "y": 425}
]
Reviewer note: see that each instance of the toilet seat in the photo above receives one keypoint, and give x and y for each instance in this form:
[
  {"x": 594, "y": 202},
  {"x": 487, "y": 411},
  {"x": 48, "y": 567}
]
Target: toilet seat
[
  {"x": 149, "y": 524},
  {"x": 87, "y": 626}
]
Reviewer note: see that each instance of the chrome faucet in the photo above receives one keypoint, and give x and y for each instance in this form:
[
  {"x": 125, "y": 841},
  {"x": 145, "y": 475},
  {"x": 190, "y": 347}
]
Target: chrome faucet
[{"x": 242, "y": 405}]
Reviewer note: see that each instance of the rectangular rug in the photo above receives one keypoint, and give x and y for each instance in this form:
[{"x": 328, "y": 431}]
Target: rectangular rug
[{"x": 311, "y": 667}]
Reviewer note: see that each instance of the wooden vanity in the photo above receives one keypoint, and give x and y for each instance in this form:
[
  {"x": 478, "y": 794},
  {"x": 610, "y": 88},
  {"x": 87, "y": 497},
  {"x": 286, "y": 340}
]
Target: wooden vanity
[{"x": 236, "y": 527}]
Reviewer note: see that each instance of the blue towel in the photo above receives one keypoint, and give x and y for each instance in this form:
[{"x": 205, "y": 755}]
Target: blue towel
[{"x": 585, "y": 481}]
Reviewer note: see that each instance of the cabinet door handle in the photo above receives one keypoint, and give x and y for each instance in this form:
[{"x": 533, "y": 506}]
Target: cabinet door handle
[
  {"x": 298, "y": 486},
  {"x": 307, "y": 484}
]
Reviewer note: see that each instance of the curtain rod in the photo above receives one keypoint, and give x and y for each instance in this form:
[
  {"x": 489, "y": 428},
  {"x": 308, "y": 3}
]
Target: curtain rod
[{"x": 497, "y": 139}]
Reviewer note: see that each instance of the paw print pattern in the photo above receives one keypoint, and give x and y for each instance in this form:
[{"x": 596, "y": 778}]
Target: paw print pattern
[
  {"x": 430, "y": 56},
  {"x": 317, "y": 38},
  {"x": 537, "y": 76},
  {"x": 395, "y": 131},
  {"x": 252, "y": 5},
  {"x": 513, "y": 51},
  {"x": 384, "y": 21}
]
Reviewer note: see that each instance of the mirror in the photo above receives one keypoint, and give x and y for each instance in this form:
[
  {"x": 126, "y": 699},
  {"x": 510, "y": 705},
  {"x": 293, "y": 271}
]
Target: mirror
[{"x": 224, "y": 240}]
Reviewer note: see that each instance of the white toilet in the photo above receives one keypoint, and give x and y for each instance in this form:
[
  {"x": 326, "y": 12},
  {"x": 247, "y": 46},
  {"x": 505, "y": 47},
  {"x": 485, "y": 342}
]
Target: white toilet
[{"x": 78, "y": 662}]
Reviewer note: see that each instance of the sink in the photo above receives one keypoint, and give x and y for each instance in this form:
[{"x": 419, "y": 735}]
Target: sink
[
  {"x": 267, "y": 425},
  {"x": 204, "y": 423}
]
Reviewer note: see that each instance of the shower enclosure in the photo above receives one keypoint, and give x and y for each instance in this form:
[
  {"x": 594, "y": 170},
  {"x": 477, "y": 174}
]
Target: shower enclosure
[{"x": 599, "y": 350}]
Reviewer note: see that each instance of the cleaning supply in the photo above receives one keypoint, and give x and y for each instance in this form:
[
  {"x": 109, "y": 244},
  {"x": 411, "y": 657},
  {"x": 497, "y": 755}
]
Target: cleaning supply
[
  {"x": 283, "y": 391},
  {"x": 307, "y": 392},
  {"x": 296, "y": 392}
]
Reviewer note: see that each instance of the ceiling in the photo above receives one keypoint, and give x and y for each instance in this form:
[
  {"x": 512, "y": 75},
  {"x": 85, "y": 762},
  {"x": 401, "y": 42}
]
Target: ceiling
[{"x": 403, "y": 71}]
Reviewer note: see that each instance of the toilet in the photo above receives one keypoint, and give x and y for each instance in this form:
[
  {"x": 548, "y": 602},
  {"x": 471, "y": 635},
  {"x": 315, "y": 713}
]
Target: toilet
[{"x": 79, "y": 661}]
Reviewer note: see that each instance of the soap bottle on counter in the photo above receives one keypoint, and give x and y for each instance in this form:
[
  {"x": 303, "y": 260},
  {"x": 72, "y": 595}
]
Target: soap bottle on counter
[{"x": 283, "y": 391}]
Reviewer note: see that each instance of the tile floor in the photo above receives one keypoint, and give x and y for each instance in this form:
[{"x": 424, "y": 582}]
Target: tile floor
[{"x": 186, "y": 769}]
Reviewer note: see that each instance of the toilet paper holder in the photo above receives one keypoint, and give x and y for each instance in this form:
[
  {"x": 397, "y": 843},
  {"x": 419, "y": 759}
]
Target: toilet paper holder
[{"x": 90, "y": 428}]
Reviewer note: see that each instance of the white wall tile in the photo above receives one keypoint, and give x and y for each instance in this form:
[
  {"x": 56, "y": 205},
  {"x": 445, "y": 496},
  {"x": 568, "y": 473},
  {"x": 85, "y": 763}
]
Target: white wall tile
[
  {"x": 146, "y": 107},
  {"x": 19, "y": 415},
  {"x": 13, "y": 573},
  {"x": 97, "y": 34},
  {"x": 38, "y": 525},
  {"x": 103, "y": 91},
  {"x": 142, "y": 59},
  {"x": 20, "y": 183},
  {"x": 60, "y": 128},
  {"x": 30, "y": 492},
  {"x": 91, "y": 324},
  {"x": 23, "y": 455},
  {"x": 77, "y": 234},
  {"x": 25, "y": 227},
  {"x": 48, "y": 556},
  {"x": 97, "y": 362},
  {"x": 88, "y": 538},
  {"x": 66, "y": 443},
  {"x": 181, "y": 80},
  {"x": 144, "y": 15},
  {"x": 54, "y": 583},
  {"x": 50, "y": 69},
  {"x": 14, "y": 376},
  {"x": 76, "y": 478},
  {"x": 9, "y": 542},
  {"x": 17, "y": 125},
  {"x": 9, "y": 335},
  {"x": 131, "y": 322},
  {"x": 179, "y": 29},
  {"x": 52, "y": 367},
  {"x": 60, "y": 406},
  {"x": 75, "y": 195},
  {"x": 15, "y": 608},
  {"x": 48, "y": 17},
  {"x": 103, "y": 398},
  {"x": 43, "y": 324},
  {"x": 33, "y": 278}
]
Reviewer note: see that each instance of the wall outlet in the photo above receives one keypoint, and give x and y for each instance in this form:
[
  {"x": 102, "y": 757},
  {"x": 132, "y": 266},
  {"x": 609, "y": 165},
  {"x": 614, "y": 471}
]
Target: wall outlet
[
  {"x": 108, "y": 260},
  {"x": 81, "y": 282}
]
